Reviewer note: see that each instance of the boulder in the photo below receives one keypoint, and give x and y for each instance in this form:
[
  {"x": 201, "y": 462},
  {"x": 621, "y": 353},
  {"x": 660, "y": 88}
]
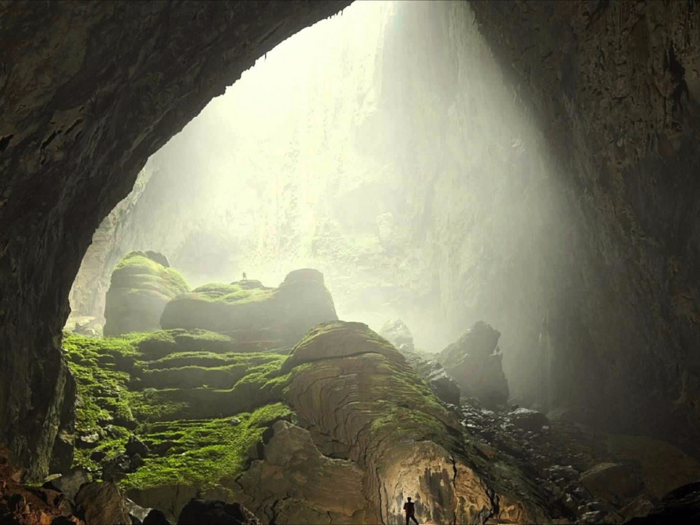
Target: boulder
[
  {"x": 679, "y": 506},
  {"x": 474, "y": 362},
  {"x": 140, "y": 288},
  {"x": 103, "y": 503},
  {"x": 198, "y": 512},
  {"x": 69, "y": 483},
  {"x": 526, "y": 419},
  {"x": 285, "y": 313},
  {"x": 294, "y": 467},
  {"x": 480, "y": 340},
  {"x": 440, "y": 383},
  {"x": 397, "y": 333},
  {"x": 611, "y": 481},
  {"x": 136, "y": 512}
]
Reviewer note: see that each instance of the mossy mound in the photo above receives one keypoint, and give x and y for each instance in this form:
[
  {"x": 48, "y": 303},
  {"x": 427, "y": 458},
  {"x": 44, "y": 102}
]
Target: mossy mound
[
  {"x": 202, "y": 452},
  {"x": 249, "y": 310},
  {"x": 141, "y": 286},
  {"x": 181, "y": 392}
]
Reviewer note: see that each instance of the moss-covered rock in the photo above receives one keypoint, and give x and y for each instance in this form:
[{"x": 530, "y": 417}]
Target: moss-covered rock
[
  {"x": 209, "y": 415},
  {"x": 250, "y": 311},
  {"x": 141, "y": 286}
]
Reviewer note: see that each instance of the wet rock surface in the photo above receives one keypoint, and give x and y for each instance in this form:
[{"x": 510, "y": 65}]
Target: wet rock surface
[{"x": 591, "y": 476}]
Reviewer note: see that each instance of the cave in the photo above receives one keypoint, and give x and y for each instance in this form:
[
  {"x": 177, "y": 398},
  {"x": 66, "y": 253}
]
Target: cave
[{"x": 465, "y": 232}]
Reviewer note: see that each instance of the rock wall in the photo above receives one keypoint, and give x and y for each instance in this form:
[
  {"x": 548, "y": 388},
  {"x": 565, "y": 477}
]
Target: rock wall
[
  {"x": 615, "y": 86},
  {"x": 89, "y": 92}
]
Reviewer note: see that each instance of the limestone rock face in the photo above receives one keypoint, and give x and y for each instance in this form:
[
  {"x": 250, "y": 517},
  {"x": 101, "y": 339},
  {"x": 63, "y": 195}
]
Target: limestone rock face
[
  {"x": 622, "y": 123},
  {"x": 247, "y": 307},
  {"x": 474, "y": 362},
  {"x": 142, "y": 284},
  {"x": 318, "y": 486},
  {"x": 362, "y": 402}
]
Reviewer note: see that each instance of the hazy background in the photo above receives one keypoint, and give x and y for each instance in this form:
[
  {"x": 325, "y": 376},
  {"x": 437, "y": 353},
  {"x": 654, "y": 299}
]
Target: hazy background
[{"x": 382, "y": 146}]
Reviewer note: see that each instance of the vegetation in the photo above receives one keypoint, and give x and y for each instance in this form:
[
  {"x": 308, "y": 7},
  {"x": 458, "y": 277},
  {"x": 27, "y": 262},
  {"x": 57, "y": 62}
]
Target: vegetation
[
  {"x": 116, "y": 398},
  {"x": 178, "y": 390},
  {"x": 150, "y": 272},
  {"x": 202, "y": 453},
  {"x": 233, "y": 293}
]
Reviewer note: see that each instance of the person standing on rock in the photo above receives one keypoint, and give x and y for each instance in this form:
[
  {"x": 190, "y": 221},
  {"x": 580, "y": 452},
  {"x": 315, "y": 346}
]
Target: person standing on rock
[
  {"x": 410, "y": 509},
  {"x": 245, "y": 277}
]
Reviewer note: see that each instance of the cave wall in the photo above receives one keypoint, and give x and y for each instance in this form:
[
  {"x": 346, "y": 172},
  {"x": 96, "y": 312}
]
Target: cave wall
[
  {"x": 615, "y": 86},
  {"x": 90, "y": 91}
]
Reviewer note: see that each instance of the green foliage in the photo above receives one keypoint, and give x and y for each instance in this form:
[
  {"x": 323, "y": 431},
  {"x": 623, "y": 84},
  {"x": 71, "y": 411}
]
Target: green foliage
[{"x": 202, "y": 453}]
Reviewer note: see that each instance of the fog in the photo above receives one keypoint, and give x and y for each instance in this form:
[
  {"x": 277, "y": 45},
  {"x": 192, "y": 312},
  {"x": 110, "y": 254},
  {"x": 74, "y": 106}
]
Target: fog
[{"x": 384, "y": 147}]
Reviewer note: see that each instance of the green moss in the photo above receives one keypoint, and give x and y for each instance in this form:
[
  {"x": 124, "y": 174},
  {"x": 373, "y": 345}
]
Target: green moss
[
  {"x": 151, "y": 275},
  {"x": 102, "y": 394},
  {"x": 203, "y": 453},
  {"x": 230, "y": 293}
]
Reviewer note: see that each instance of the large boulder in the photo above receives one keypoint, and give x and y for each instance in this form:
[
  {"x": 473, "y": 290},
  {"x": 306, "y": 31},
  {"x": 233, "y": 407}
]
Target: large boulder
[
  {"x": 294, "y": 465},
  {"x": 142, "y": 284},
  {"x": 474, "y": 362},
  {"x": 679, "y": 506},
  {"x": 397, "y": 333},
  {"x": 285, "y": 313},
  {"x": 611, "y": 481},
  {"x": 103, "y": 503}
]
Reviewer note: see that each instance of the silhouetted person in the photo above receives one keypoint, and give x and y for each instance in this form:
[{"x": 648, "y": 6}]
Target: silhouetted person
[
  {"x": 410, "y": 509},
  {"x": 245, "y": 277}
]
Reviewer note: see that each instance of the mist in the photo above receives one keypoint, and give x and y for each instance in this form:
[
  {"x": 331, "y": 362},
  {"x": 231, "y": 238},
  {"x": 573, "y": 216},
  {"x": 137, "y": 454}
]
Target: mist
[{"x": 385, "y": 148}]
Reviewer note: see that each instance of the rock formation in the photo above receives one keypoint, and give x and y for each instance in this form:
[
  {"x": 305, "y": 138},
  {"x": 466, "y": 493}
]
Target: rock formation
[
  {"x": 282, "y": 314},
  {"x": 142, "y": 284},
  {"x": 474, "y": 362},
  {"x": 397, "y": 333},
  {"x": 679, "y": 506}
]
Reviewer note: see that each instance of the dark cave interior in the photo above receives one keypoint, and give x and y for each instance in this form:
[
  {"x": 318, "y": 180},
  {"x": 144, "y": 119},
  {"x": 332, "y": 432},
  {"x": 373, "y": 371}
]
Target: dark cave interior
[{"x": 254, "y": 403}]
